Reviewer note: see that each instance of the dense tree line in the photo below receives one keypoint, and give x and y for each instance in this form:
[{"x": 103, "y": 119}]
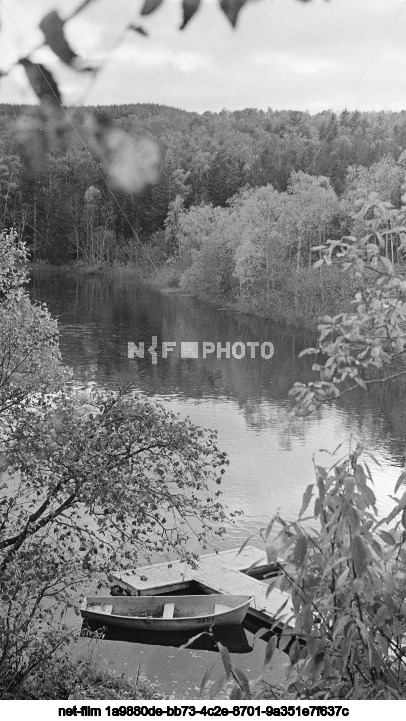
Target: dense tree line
[
  {"x": 69, "y": 212},
  {"x": 262, "y": 250}
]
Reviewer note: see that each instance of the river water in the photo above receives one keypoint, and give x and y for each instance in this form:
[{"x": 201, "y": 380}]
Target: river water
[{"x": 244, "y": 399}]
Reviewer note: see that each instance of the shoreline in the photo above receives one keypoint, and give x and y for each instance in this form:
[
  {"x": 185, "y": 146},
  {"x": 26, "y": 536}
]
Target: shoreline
[{"x": 168, "y": 282}]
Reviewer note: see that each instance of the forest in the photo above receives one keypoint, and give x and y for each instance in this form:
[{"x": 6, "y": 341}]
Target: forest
[{"x": 237, "y": 190}]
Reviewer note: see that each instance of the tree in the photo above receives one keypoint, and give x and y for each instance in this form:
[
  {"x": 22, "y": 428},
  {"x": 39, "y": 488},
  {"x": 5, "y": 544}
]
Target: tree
[
  {"x": 343, "y": 564},
  {"x": 129, "y": 163},
  {"x": 207, "y": 240},
  {"x": 312, "y": 203},
  {"x": 384, "y": 178},
  {"x": 261, "y": 253},
  {"x": 29, "y": 352},
  {"x": 362, "y": 348},
  {"x": 88, "y": 486}
]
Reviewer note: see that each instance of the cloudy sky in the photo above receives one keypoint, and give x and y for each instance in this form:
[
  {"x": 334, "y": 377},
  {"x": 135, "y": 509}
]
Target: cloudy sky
[{"x": 283, "y": 54}]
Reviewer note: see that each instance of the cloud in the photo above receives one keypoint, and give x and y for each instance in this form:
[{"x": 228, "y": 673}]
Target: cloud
[
  {"x": 283, "y": 54},
  {"x": 156, "y": 57},
  {"x": 291, "y": 63}
]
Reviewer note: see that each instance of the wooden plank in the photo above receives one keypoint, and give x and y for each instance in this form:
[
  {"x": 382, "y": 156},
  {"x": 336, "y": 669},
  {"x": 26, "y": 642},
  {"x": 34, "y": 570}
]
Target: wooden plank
[
  {"x": 169, "y": 609},
  {"x": 157, "y": 578},
  {"x": 176, "y": 575},
  {"x": 227, "y": 580},
  {"x": 221, "y": 572}
]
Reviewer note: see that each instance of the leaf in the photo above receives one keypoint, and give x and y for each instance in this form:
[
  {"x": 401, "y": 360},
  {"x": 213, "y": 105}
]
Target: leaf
[
  {"x": 150, "y": 6},
  {"x": 236, "y": 693},
  {"x": 231, "y": 8},
  {"x": 52, "y": 27},
  {"x": 401, "y": 479},
  {"x": 306, "y": 620},
  {"x": 271, "y": 554},
  {"x": 241, "y": 678},
  {"x": 130, "y": 162},
  {"x": 360, "y": 474},
  {"x": 226, "y": 659},
  {"x": 294, "y": 652},
  {"x": 403, "y": 519},
  {"x": 375, "y": 460},
  {"x": 367, "y": 494},
  {"x": 401, "y": 505},
  {"x": 138, "y": 29},
  {"x": 270, "y": 649},
  {"x": 300, "y": 550},
  {"x": 247, "y": 540},
  {"x": 359, "y": 555},
  {"x": 318, "y": 661},
  {"x": 353, "y": 518},
  {"x": 190, "y": 641},
  {"x": 368, "y": 471},
  {"x": 387, "y": 537},
  {"x": 189, "y": 9},
  {"x": 306, "y": 498},
  {"x": 42, "y": 83},
  {"x": 269, "y": 528}
]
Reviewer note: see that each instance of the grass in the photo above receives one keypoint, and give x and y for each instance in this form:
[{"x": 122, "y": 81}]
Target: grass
[{"x": 65, "y": 680}]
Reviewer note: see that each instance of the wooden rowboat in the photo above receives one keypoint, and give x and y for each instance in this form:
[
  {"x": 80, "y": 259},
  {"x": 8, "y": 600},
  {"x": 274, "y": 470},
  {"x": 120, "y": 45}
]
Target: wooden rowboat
[{"x": 167, "y": 613}]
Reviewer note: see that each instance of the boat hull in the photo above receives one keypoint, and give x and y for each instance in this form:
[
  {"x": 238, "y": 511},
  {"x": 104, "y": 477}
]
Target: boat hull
[{"x": 167, "y": 613}]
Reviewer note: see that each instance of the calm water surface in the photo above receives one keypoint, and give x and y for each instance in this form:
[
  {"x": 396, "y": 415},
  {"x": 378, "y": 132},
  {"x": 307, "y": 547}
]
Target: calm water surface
[{"x": 245, "y": 400}]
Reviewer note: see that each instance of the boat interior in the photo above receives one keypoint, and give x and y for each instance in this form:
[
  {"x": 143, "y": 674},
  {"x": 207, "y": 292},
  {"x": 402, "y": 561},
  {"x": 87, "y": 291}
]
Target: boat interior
[{"x": 167, "y": 607}]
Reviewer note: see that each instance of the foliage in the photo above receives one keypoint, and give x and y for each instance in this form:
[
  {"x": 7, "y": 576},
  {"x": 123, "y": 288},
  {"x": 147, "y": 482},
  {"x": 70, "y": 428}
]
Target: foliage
[
  {"x": 204, "y": 159},
  {"x": 29, "y": 352},
  {"x": 88, "y": 485},
  {"x": 65, "y": 679},
  {"x": 112, "y": 480},
  {"x": 346, "y": 574},
  {"x": 257, "y": 252},
  {"x": 311, "y": 207},
  {"x": 347, "y": 580},
  {"x": 207, "y": 241},
  {"x": 343, "y": 630},
  {"x": 366, "y": 346},
  {"x": 340, "y": 632},
  {"x": 385, "y": 178}
]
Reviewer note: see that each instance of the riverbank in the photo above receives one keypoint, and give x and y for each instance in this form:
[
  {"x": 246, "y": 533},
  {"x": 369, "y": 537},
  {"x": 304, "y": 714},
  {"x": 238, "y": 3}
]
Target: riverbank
[
  {"x": 63, "y": 680},
  {"x": 297, "y": 299}
]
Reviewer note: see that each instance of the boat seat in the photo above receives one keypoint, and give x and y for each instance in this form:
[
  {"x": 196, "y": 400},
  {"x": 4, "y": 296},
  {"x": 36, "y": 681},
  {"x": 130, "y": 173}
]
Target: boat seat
[
  {"x": 221, "y": 608},
  {"x": 168, "y": 611},
  {"x": 103, "y": 608}
]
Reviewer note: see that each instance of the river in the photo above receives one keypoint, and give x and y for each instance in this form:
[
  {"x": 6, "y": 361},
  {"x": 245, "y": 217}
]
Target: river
[{"x": 245, "y": 399}]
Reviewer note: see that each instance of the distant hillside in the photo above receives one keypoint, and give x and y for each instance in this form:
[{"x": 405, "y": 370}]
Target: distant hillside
[{"x": 206, "y": 158}]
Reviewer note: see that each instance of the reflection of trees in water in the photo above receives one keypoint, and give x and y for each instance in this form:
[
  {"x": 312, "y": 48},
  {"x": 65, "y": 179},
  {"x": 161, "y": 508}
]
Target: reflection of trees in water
[
  {"x": 380, "y": 416},
  {"x": 99, "y": 316}
]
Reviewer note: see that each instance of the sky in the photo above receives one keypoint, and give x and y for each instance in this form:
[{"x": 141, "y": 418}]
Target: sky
[{"x": 284, "y": 54}]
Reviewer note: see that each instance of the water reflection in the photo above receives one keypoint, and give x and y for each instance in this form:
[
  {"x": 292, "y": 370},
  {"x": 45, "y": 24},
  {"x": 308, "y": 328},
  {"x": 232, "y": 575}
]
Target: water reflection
[
  {"x": 234, "y": 638},
  {"x": 245, "y": 400}
]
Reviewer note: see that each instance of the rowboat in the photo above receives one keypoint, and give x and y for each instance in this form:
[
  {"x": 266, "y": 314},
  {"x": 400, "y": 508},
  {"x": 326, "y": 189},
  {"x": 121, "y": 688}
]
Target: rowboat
[{"x": 167, "y": 613}]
